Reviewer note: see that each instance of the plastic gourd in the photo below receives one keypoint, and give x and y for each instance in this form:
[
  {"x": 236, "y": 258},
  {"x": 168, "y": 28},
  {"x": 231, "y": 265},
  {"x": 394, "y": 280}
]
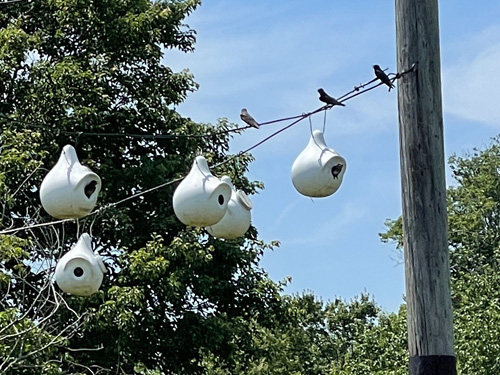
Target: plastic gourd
[
  {"x": 237, "y": 219},
  {"x": 318, "y": 170},
  {"x": 70, "y": 189},
  {"x": 201, "y": 199},
  {"x": 80, "y": 271}
]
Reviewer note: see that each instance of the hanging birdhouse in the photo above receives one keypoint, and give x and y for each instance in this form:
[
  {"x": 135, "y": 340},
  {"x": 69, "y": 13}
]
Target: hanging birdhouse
[
  {"x": 80, "y": 271},
  {"x": 201, "y": 199},
  {"x": 318, "y": 170},
  {"x": 70, "y": 189},
  {"x": 237, "y": 219}
]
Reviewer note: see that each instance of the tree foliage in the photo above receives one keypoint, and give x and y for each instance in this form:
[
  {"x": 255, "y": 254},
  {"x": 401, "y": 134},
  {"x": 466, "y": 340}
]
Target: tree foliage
[
  {"x": 175, "y": 300},
  {"x": 474, "y": 243},
  {"x": 72, "y": 70}
]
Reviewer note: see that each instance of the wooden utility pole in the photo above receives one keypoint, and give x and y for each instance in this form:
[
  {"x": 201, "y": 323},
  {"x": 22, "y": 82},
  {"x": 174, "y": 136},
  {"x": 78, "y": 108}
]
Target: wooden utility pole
[{"x": 430, "y": 324}]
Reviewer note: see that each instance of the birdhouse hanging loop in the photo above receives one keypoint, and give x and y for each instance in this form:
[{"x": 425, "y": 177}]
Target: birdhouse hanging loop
[
  {"x": 237, "y": 219},
  {"x": 80, "y": 271},
  {"x": 318, "y": 170},
  {"x": 70, "y": 189},
  {"x": 201, "y": 199}
]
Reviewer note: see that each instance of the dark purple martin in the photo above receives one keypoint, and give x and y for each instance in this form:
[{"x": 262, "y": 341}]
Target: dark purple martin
[
  {"x": 90, "y": 188},
  {"x": 248, "y": 119},
  {"x": 382, "y": 76},
  {"x": 336, "y": 169},
  {"x": 325, "y": 98}
]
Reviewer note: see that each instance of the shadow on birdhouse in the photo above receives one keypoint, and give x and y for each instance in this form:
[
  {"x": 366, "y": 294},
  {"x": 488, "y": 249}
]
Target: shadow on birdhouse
[
  {"x": 70, "y": 189},
  {"x": 237, "y": 219},
  {"x": 80, "y": 271},
  {"x": 201, "y": 199},
  {"x": 318, "y": 170}
]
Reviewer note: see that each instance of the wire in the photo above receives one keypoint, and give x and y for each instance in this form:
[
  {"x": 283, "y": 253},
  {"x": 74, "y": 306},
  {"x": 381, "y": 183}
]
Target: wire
[
  {"x": 356, "y": 91},
  {"x": 138, "y": 195},
  {"x": 324, "y": 123},
  {"x": 111, "y": 205},
  {"x": 300, "y": 118},
  {"x": 138, "y": 135},
  {"x": 12, "y": 230},
  {"x": 96, "y": 212},
  {"x": 10, "y": 2},
  {"x": 297, "y": 119}
]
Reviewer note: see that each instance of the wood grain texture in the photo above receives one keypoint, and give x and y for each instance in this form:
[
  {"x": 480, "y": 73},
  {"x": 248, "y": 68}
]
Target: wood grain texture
[{"x": 430, "y": 326}]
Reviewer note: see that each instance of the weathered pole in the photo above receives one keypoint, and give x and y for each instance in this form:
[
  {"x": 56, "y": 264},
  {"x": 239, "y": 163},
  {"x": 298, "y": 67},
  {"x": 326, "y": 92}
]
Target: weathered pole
[{"x": 430, "y": 324}]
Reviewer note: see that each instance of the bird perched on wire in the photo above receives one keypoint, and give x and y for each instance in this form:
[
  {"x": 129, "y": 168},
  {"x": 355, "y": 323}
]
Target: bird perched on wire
[
  {"x": 248, "y": 119},
  {"x": 325, "y": 98},
  {"x": 336, "y": 169},
  {"x": 383, "y": 77}
]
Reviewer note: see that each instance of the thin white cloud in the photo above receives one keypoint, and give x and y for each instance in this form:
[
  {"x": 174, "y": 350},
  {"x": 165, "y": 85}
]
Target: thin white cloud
[
  {"x": 285, "y": 213},
  {"x": 328, "y": 230},
  {"x": 471, "y": 84},
  {"x": 275, "y": 69}
]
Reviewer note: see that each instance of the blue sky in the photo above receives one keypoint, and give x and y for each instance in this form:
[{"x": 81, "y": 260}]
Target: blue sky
[{"x": 271, "y": 57}]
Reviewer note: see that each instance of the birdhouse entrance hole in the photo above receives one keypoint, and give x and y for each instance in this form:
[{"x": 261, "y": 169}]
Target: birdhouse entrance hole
[
  {"x": 78, "y": 272},
  {"x": 90, "y": 188}
]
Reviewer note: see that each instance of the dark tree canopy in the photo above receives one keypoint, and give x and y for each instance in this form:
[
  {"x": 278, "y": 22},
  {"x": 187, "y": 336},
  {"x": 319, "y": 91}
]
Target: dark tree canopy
[{"x": 72, "y": 70}]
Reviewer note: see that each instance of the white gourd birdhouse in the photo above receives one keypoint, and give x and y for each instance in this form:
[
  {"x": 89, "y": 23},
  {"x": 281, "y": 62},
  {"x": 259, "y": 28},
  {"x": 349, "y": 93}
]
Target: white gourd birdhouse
[
  {"x": 237, "y": 219},
  {"x": 70, "y": 189},
  {"x": 318, "y": 170},
  {"x": 80, "y": 271},
  {"x": 201, "y": 199}
]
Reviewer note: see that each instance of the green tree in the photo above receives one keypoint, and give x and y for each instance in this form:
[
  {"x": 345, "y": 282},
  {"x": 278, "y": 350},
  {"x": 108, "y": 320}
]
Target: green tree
[
  {"x": 474, "y": 235},
  {"x": 369, "y": 341},
  {"x": 173, "y": 297},
  {"x": 336, "y": 338},
  {"x": 378, "y": 348},
  {"x": 474, "y": 243},
  {"x": 27, "y": 341},
  {"x": 299, "y": 342}
]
